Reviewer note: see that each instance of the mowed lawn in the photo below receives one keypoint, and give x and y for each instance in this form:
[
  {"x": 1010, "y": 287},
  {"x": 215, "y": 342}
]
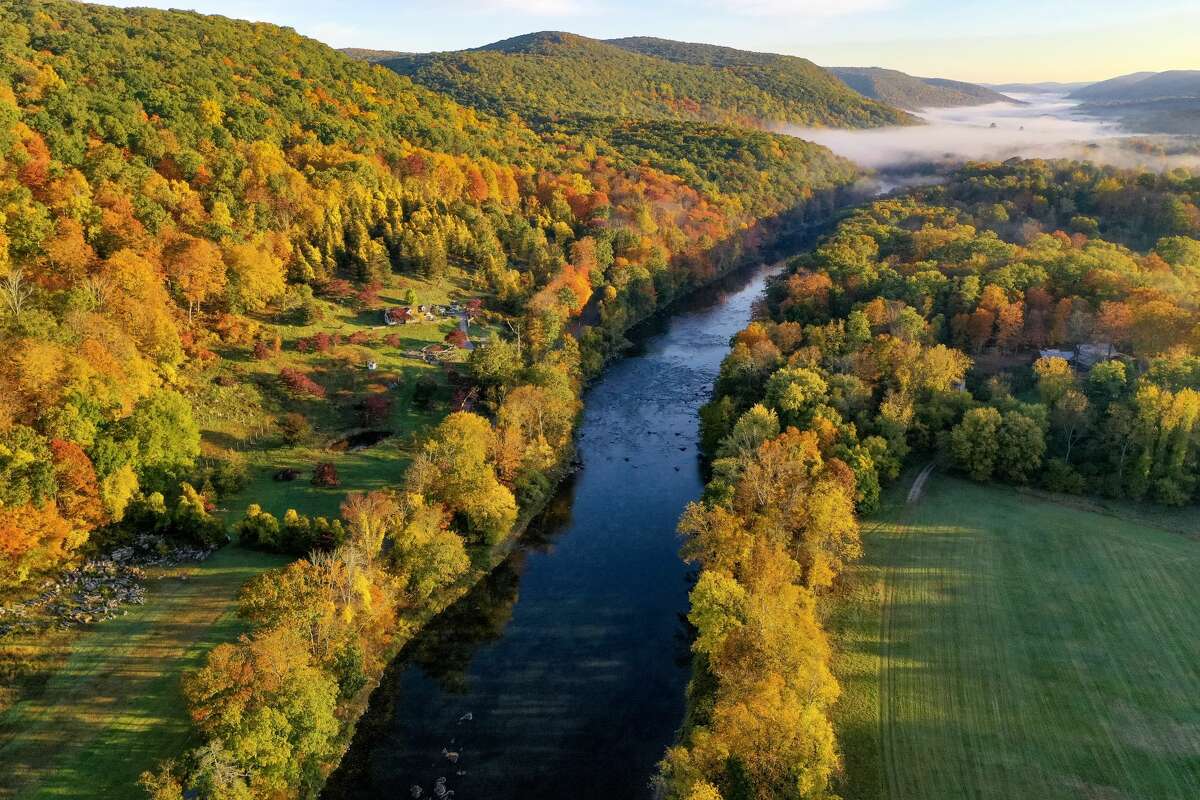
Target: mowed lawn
[
  {"x": 115, "y": 708},
  {"x": 993, "y": 644}
]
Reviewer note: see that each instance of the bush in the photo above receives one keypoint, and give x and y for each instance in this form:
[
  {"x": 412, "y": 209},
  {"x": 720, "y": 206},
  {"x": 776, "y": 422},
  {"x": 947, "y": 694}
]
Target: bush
[
  {"x": 229, "y": 476},
  {"x": 295, "y": 427},
  {"x": 376, "y": 409},
  {"x": 425, "y": 392},
  {"x": 300, "y": 384},
  {"x": 189, "y": 520},
  {"x": 325, "y": 475},
  {"x": 296, "y": 534},
  {"x": 1059, "y": 476},
  {"x": 258, "y": 529}
]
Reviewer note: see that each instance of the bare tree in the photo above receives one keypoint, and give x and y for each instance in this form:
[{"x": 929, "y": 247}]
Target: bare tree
[{"x": 15, "y": 292}]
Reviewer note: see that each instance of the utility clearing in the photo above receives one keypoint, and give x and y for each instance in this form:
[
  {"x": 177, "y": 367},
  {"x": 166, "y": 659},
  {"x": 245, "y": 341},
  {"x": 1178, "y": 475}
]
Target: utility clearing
[{"x": 998, "y": 645}]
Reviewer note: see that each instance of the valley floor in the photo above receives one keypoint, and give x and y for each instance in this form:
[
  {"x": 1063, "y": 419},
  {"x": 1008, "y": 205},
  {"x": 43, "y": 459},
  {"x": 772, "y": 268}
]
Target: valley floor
[{"x": 996, "y": 644}]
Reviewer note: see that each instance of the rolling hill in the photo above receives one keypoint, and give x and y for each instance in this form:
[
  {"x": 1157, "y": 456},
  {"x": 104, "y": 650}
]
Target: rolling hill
[
  {"x": 1143, "y": 86},
  {"x": 548, "y": 75},
  {"x": 1053, "y": 87},
  {"x": 909, "y": 92}
]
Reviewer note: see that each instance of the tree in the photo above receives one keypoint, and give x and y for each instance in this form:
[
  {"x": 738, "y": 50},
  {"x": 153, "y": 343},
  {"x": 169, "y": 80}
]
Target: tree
[
  {"x": 752, "y": 429},
  {"x": 425, "y": 553},
  {"x": 1106, "y": 381},
  {"x": 1070, "y": 415},
  {"x": 370, "y": 516},
  {"x": 27, "y": 472},
  {"x": 78, "y": 495},
  {"x": 196, "y": 269},
  {"x": 456, "y": 468},
  {"x": 32, "y": 538},
  {"x": 163, "y": 437},
  {"x": 1020, "y": 447},
  {"x": 794, "y": 391},
  {"x": 256, "y": 275},
  {"x": 974, "y": 442},
  {"x": 1054, "y": 378},
  {"x": 15, "y": 292}
]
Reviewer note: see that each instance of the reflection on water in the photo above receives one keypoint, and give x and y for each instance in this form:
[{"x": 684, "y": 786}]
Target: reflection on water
[{"x": 563, "y": 673}]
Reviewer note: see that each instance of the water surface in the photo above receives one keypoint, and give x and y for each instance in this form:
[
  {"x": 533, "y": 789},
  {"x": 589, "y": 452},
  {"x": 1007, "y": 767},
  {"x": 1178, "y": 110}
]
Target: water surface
[{"x": 563, "y": 674}]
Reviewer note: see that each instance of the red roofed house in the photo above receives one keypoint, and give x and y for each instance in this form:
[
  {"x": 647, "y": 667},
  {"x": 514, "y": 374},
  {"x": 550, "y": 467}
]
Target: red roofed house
[{"x": 398, "y": 316}]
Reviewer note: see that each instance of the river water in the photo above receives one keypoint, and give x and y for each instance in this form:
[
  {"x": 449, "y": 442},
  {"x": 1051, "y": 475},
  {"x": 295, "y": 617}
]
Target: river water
[{"x": 563, "y": 674}]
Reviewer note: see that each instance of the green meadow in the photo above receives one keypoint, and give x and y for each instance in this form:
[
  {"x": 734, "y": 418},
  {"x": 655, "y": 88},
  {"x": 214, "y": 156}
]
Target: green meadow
[{"x": 996, "y": 644}]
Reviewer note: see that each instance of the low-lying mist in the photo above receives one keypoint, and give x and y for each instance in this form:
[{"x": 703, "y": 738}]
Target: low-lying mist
[{"x": 1047, "y": 126}]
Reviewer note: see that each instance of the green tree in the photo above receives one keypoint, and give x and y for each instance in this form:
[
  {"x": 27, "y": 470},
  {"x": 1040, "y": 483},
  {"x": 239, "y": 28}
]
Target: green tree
[
  {"x": 974, "y": 442},
  {"x": 1021, "y": 446}
]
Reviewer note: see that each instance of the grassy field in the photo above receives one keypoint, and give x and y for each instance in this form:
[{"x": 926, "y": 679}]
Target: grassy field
[
  {"x": 996, "y": 644},
  {"x": 115, "y": 708},
  {"x": 240, "y": 418}
]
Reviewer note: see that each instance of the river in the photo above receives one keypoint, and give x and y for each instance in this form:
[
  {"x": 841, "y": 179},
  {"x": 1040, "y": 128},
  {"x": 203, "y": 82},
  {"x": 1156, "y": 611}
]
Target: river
[{"x": 563, "y": 674}]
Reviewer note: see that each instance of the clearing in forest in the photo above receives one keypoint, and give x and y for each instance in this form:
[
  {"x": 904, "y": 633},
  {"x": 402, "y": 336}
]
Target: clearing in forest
[{"x": 996, "y": 645}]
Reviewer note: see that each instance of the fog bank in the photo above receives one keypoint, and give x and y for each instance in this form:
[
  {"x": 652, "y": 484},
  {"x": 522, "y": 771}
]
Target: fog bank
[{"x": 1048, "y": 126}]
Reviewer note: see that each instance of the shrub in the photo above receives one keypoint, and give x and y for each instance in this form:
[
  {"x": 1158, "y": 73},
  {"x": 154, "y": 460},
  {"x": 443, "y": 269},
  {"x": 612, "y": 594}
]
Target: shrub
[
  {"x": 227, "y": 475},
  {"x": 325, "y": 475},
  {"x": 189, "y": 520},
  {"x": 338, "y": 289},
  {"x": 299, "y": 383},
  {"x": 258, "y": 529},
  {"x": 1059, "y": 476},
  {"x": 295, "y": 427},
  {"x": 425, "y": 392},
  {"x": 376, "y": 409}
]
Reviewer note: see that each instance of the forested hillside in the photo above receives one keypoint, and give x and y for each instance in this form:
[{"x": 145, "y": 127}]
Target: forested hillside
[
  {"x": 906, "y": 91},
  {"x": 550, "y": 75},
  {"x": 201, "y": 220},
  {"x": 1031, "y": 322}
]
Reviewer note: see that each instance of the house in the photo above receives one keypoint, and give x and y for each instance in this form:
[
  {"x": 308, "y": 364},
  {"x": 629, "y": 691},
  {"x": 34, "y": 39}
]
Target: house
[
  {"x": 398, "y": 315},
  {"x": 1050, "y": 352},
  {"x": 1091, "y": 354}
]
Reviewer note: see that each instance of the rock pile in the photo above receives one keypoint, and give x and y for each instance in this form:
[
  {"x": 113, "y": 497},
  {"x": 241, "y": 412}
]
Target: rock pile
[{"x": 97, "y": 590}]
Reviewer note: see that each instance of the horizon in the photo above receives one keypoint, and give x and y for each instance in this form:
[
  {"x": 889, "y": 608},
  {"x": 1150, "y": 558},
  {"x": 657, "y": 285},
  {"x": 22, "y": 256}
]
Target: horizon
[{"x": 972, "y": 41}]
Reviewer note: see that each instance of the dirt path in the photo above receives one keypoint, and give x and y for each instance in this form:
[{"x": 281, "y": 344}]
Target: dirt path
[
  {"x": 918, "y": 485},
  {"x": 115, "y": 708}
]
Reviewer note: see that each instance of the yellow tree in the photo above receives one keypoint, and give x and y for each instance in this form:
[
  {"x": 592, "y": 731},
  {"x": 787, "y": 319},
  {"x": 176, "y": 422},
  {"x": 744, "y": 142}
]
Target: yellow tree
[{"x": 195, "y": 268}]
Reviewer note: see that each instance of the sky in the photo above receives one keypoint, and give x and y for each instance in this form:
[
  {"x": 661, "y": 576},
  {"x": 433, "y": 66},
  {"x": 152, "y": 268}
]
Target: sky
[{"x": 994, "y": 41}]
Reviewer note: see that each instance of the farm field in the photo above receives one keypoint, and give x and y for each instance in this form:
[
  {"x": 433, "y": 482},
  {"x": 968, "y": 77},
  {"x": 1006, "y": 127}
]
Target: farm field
[
  {"x": 118, "y": 691},
  {"x": 994, "y": 644}
]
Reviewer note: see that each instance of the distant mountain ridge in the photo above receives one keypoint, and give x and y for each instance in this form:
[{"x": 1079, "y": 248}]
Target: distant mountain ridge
[
  {"x": 548, "y": 75},
  {"x": 1143, "y": 86},
  {"x": 1052, "y": 87},
  {"x": 913, "y": 93}
]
